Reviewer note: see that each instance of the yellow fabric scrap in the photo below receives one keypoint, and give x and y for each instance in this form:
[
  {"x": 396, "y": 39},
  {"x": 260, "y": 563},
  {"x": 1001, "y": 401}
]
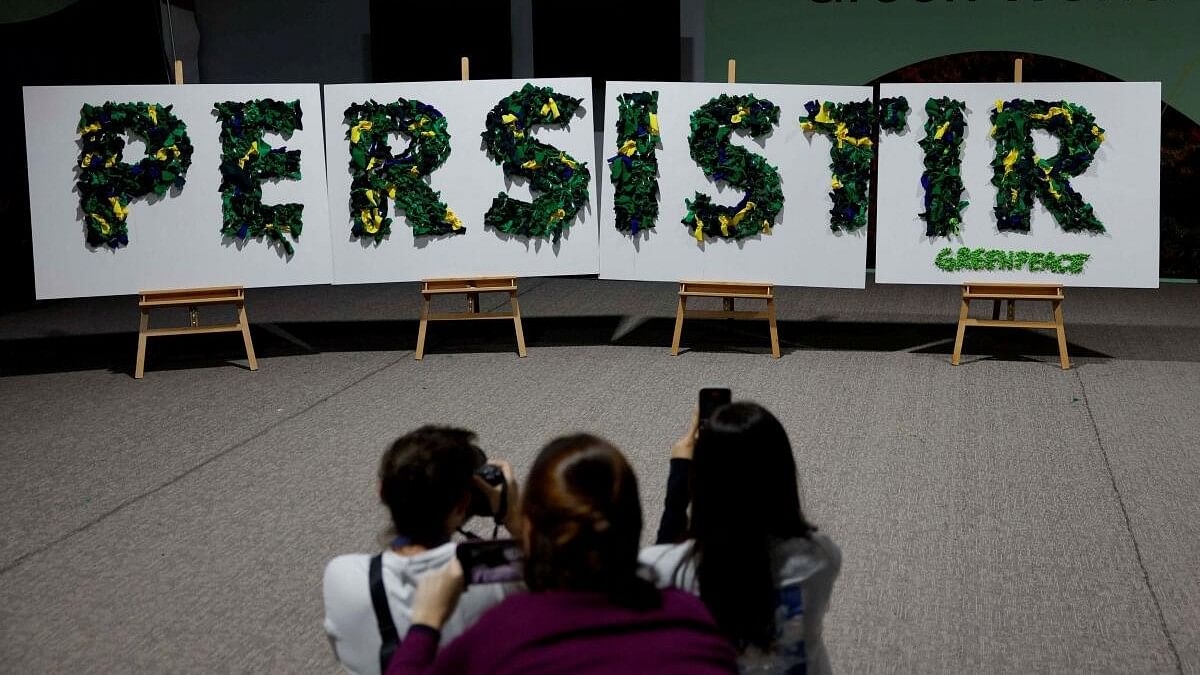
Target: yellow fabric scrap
[
  {"x": 1097, "y": 133},
  {"x": 937, "y": 136},
  {"x": 766, "y": 227},
  {"x": 162, "y": 152},
  {"x": 455, "y": 222},
  {"x": 823, "y": 115},
  {"x": 736, "y": 219},
  {"x": 111, "y": 161},
  {"x": 94, "y": 126},
  {"x": 842, "y": 134},
  {"x": 1010, "y": 159},
  {"x": 371, "y": 197},
  {"x": 414, "y": 171},
  {"x": 559, "y": 214},
  {"x": 1046, "y": 169},
  {"x": 357, "y": 129},
  {"x": 699, "y": 233},
  {"x": 252, "y": 151},
  {"x": 392, "y": 191},
  {"x": 531, "y": 164},
  {"x": 654, "y": 124},
  {"x": 153, "y": 113},
  {"x": 1054, "y": 110},
  {"x": 105, "y": 228},
  {"x": 999, "y": 105},
  {"x": 119, "y": 211},
  {"x": 508, "y": 118},
  {"x": 628, "y": 148},
  {"x": 562, "y": 157},
  {"x": 371, "y": 220},
  {"x": 372, "y": 162},
  {"x": 550, "y": 107},
  {"x": 740, "y": 115},
  {"x": 837, "y": 184}
]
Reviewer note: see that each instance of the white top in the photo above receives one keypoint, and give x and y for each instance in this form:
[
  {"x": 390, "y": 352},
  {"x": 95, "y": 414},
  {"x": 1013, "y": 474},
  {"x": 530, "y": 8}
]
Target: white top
[
  {"x": 350, "y": 618},
  {"x": 804, "y": 573}
]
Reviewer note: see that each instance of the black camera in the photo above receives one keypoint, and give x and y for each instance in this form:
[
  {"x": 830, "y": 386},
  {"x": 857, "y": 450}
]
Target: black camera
[{"x": 492, "y": 475}]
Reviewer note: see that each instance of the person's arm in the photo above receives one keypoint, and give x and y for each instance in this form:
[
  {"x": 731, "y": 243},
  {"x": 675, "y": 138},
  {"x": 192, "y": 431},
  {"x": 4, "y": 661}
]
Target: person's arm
[
  {"x": 437, "y": 595},
  {"x": 416, "y": 652},
  {"x": 674, "y": 524}
]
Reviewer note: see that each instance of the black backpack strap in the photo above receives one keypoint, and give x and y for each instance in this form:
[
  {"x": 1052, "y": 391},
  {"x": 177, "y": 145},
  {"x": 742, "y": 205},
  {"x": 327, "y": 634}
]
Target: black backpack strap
[{"x": 383, "y": 614}]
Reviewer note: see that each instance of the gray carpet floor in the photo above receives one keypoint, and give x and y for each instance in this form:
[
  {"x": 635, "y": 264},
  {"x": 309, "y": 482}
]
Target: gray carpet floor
[{"x": 1001, "y": 516}]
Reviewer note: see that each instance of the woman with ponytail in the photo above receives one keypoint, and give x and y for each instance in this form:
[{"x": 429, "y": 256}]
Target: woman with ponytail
[
  {"x": 588, "y": 610},
  {"x": 761, "y": 569}
]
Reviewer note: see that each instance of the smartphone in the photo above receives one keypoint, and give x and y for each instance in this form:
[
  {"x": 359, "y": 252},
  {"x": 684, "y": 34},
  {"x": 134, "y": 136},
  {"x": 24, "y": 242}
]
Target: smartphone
[
  {"x": 712, "y": 398},
  {"x": 493, "y": 561}
]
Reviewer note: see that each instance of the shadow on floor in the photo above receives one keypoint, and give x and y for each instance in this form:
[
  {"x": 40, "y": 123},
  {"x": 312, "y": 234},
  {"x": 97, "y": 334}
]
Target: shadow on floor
[{"x": 115, "y": 351}]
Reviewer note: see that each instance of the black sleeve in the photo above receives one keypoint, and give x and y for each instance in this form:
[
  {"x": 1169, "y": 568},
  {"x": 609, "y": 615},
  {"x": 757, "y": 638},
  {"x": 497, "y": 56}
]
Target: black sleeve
[{"x": 673, "y": 527}]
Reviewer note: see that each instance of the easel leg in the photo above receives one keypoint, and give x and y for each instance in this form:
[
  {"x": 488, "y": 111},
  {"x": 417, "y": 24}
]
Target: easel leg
[
  {"x": 679, "y": 310},
  {"x": 727, "y": 304},
  {"x": 962, "y": 328},
  {"x": 423, "y": 327},
  {"x": 1012, "y": 309},
  {"x": 139, "y": 368},
  {"x": 245, "y": 324},
  {"x": 473, "y": 303},
  {"x": 1062, "y": 335},
  {"x": 996, "y": 310},
  {"x": 516, "y": 312},
  {"x": 774, "y": 328}
]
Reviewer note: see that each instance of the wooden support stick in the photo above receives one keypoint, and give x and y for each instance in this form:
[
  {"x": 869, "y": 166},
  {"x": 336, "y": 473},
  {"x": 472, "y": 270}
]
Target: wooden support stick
[
  {"x": 465, "y": 67},
  {"x": 731, "y": 72},
  {"x": 1018, "y": 68},
  {"x": 178, "y": 71}
]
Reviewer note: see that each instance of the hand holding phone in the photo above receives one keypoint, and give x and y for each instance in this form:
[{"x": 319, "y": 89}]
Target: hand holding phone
[
  {"x": 492, "y": 561},
  {"x": 712, "y": 398}
]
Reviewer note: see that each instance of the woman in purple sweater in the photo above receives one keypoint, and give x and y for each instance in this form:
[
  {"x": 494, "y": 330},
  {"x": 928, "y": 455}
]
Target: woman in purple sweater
[{"x": 588, "y": 611}]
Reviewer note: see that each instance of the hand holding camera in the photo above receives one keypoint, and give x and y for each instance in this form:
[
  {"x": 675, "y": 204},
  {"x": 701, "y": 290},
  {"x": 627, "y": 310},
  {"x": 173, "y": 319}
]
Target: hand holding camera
[{"x": 496, "y": 494}]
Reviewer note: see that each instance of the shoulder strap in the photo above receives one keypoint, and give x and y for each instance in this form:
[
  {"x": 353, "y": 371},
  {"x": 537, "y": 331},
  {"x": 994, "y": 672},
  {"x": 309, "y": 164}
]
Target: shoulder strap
[{"x": 383, "y": 614}]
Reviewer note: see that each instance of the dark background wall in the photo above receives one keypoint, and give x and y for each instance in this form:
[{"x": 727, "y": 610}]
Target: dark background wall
[{"x": 325, "y": 41}]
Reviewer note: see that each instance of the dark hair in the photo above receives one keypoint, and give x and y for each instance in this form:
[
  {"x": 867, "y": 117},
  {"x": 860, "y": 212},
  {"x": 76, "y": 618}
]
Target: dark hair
[
  {"x": 744, "y": 497},
  {"x": 585, "y": 522},
  {"x": 423, "y": 476}
]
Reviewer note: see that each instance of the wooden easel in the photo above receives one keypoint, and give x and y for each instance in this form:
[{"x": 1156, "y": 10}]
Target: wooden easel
[
  {"x": 728, "y": 291},
  {"x": 469, "y": 286},
  {"x": 192, "y": 298},
  {"x": 1010, "y": 292},
  {"x": 1000, "y": 291}
]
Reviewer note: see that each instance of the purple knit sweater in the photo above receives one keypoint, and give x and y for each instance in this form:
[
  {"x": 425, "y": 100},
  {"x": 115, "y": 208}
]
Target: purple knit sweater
[{"x": 575, "y": 633}]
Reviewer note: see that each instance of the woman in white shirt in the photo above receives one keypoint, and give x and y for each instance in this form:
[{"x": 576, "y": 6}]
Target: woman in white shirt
[{"x": 764, "y": 572}]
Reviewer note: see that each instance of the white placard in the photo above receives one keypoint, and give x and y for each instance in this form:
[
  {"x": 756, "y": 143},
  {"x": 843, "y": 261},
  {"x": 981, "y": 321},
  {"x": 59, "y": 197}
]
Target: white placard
[
  {"x": 801, "y": 249},
  {"x": 176, "y": 241},
  {"x": 1122, "y": 185},
  {"x": 468, "y": 182}
]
